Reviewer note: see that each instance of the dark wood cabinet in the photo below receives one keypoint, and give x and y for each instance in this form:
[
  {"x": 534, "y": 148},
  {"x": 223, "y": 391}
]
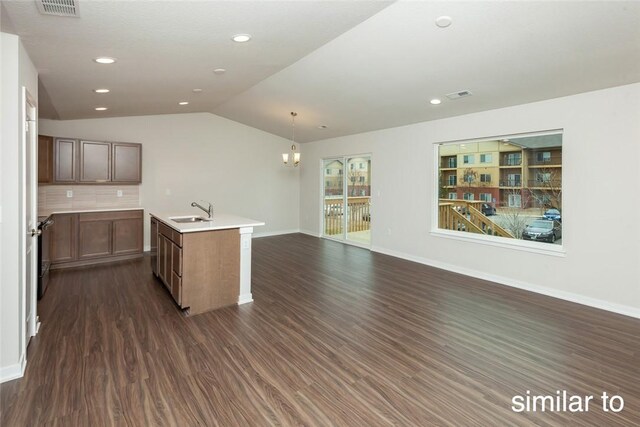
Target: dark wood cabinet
[
  {"x": 65, "y": 160},
  {"x": 45, "y": 159},
  {"x": 170, "y": 260},
  {"x": 126, "y": 162},
  {"x": 64, "y": 238},
  {"x": 94, "y": 236},
  {"x": 153, "y": 245},
  {"x": 95, "y": 161},
  {"x": 89, "y": 238}
]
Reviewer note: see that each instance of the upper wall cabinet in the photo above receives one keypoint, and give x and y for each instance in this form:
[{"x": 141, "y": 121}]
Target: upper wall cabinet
[
  {"x": 66, "y": 161},
  {"x": 126, "y": 162},
  {"x": 95, "y": 161}
]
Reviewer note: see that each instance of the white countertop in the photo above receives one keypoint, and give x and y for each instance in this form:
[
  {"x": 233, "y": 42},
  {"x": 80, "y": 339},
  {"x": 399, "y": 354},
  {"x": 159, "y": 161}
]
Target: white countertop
[
  {"x": 71, "y": 210},
  {"x": 221, "y": 221}
]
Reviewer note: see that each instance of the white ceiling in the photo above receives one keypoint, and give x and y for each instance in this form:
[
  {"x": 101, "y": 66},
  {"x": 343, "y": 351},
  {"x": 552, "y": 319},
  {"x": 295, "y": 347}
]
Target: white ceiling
[{"x": 354, "y": 66}]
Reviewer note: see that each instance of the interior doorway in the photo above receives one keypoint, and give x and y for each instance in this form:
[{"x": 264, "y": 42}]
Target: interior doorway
[{"x": 346, "y": 204}]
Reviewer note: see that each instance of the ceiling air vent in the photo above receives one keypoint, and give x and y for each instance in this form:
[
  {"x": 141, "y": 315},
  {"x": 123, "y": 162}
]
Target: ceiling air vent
[
  {"x": 459, "y": 94},
  {"x": 58, "y": 7}
]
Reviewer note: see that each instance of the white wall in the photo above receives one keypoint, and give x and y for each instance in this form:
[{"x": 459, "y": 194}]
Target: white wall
[
  {"x": 601, "y": 153},
  {"x": 202, "y": 156},
  {"x": 17, "y": 71}
]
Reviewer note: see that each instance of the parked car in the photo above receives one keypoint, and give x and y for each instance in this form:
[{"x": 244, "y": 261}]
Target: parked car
[
  {"x": 553, "y": 214},
  {"x": 545, "y": 230},
  {"x": 487, "y": 209}
]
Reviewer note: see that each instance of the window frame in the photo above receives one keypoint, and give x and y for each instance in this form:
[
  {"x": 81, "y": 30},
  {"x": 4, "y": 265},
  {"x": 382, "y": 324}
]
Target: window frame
[
  {"x": 484, "y": 155},
  {"x": 496, "y": 241}
]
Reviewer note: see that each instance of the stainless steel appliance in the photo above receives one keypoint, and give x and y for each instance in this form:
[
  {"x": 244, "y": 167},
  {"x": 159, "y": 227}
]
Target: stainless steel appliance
[{"x": 43, "y": 255}]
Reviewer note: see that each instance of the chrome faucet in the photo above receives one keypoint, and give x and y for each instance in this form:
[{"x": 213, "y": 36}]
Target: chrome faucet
[{"x": 208, "y": 211}]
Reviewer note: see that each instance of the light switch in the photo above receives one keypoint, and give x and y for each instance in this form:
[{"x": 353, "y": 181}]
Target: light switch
[
  {"x": 69, "y": 193},
  {"x": 119, "y": 193}
]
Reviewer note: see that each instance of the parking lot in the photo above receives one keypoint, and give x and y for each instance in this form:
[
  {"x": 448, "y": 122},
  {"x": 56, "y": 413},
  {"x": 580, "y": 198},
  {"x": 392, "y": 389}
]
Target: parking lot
[{"x": 503, "y": 219}]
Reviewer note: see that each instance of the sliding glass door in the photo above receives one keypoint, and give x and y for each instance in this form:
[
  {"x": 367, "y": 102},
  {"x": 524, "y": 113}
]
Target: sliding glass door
[{"x": 347, "y": 199}]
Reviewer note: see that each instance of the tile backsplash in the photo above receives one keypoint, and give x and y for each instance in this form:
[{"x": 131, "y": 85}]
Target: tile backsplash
[{"x": 54, "y": 197}]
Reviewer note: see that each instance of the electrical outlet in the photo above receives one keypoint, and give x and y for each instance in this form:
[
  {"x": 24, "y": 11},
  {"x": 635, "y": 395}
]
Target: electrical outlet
[
  {"x": 69, "y": 193},
  {"x": 119, "y": 193}
]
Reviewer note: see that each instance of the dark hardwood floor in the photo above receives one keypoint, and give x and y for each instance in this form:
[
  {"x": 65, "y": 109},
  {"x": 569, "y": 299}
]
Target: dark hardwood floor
[{"x": 336, "y": 335}]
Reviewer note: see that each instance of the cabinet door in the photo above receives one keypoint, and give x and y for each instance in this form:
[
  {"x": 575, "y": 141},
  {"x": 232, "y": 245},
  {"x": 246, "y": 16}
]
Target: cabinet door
[
  {"x": 95, "y": 161},
  {"x": 127, "y": 236},
  {"x": 63, "y": 238},
  {"x": 94, "y": 238},
  {"x": 45, "y": 159},
  {"x": 176, "y": 288},
  {"x": 154, "y": 246},
  {"x": 64, "y": 160},
  {"x": 162, "y": 260},
  {"x": 127, "y": 162}
]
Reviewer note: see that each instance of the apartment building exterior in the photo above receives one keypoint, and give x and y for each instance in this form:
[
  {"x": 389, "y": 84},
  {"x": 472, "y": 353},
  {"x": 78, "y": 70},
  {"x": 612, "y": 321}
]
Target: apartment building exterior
[{"x": 518, "y": 173}]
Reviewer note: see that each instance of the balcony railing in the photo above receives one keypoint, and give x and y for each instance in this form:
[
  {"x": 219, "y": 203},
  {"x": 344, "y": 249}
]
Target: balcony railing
[
  {"x": 511, "y": 183},
  {"x": 464, "y": 215},
  {"x": 552, "y": 183},
  {"x": 511, "y": 161},
  {"x": 358, "y": 215}
]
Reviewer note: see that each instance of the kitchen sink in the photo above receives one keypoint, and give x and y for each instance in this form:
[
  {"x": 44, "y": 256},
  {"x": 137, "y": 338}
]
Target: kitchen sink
[{"x": 189, "y": 219}]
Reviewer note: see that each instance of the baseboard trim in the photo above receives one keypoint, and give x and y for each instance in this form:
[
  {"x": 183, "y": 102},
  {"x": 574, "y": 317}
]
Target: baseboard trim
[
  {"x": 274, "y": 233},
  {"x": 245, "y": 298},
  {"x": 310, "y": 233},
  {"x": 567, "y": 296},
  {"x": 13, "y": 372}
]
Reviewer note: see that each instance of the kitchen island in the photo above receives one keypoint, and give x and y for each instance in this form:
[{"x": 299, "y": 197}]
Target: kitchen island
[{"x": 205, "y": 264}]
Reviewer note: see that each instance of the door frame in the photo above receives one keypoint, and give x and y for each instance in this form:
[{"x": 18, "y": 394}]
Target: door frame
[
  {"x": 343, "y": 239},
  {"x": 29, "y": 109}
]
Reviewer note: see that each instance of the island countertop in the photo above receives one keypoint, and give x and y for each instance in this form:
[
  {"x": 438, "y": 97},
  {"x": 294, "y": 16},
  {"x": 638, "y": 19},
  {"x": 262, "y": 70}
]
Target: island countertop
[{"x": 221, "y": 221}]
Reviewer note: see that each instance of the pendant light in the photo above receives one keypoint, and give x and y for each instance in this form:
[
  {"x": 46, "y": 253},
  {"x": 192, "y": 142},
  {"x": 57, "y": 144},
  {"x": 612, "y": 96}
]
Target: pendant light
[{"x": 294, "y": 154}]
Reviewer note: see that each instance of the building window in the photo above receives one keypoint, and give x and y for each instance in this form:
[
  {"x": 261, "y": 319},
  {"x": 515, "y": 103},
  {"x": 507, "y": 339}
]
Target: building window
[
  {"x": 514, "y": 180},
  {"x": 352, "y": 166},
  {"x": 513, "y": 159},
  {"x": 327, "y": 184},
  {"x": 522, "y": 183},
  {"x": 361, "y": 179},
  {"x": 361, "y": 165},
  {"x": 543, "y": 156},
  {"x": 453, "y": 196},
  {"x": 452, "y": 162},
  {"x": 328, "y": 172}
]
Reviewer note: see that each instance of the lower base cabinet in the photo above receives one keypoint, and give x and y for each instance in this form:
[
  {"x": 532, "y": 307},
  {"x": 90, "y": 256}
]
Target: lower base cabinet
[
  {"x": 201, "y": 270},
  {"x": 96, "y": 237}
]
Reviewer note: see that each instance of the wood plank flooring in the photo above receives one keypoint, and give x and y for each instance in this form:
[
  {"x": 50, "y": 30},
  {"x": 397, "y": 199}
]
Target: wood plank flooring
[{"x": 336, "y": 335}]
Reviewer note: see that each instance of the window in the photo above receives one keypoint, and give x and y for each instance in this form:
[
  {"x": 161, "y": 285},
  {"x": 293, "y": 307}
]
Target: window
[
  {"x": 513, "y": 180},
  {"x": 452, "y": 162},
  {"x": 361, "y": 179},
  {"x": 327, "y": 183},
  {"x": 360, "y": 165},
  {"x": 340, "y": 171},
  {"x": 544, "y": 156},
  {"x": 328, "y": 172},
  {"x": 520, "y": 180},
  {"x": 513, "y": 159},
  {"x": 352, "y": 166},
  {"x": 543, "y": 177}
]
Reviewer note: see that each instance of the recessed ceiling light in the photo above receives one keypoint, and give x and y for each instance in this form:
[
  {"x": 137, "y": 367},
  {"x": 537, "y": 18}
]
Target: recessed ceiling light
[
  {"x": 100, "y": 108},
  {"x": 197, "y": 90},
  {"x": 219, "y": 71},
  {"x": 105, "y": 60},
  {"x": 101, "y": 90},
  {"x": 443, "y": 21},
  {"x": 183, "y": 103},
  {"x": 435, "y": 101},
  {"x": 241, "y": 38},
  {"x": 323, "y": 127}
]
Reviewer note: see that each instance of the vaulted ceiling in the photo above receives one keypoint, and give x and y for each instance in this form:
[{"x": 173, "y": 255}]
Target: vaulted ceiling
[{"x": 353, "y": 66}]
